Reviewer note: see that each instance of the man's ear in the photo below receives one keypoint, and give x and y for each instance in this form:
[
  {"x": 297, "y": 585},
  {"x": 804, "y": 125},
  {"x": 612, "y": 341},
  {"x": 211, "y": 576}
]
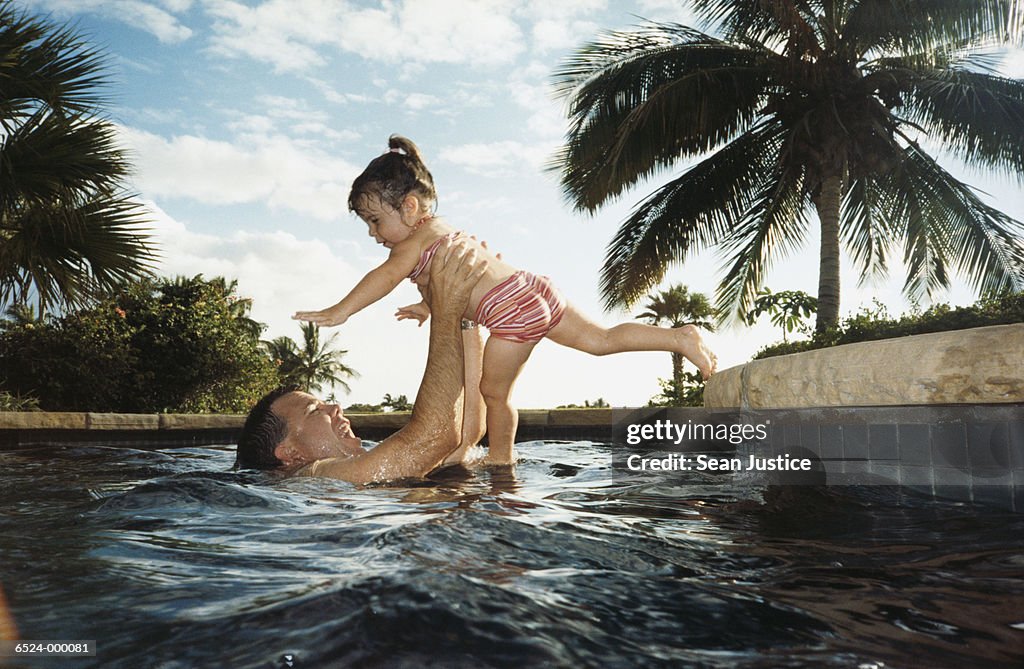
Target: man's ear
[{"x": 286, "y": 451}]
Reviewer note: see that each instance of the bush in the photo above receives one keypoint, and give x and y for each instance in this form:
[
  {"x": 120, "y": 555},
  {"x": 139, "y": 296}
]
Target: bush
[
  {"x": 161, "y": 346},
  {"x": 875, "y": 324}
]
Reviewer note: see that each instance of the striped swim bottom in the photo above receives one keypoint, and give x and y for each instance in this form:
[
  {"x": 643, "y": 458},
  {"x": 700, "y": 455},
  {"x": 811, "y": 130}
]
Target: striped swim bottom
[{"x": 523, "y": 308}]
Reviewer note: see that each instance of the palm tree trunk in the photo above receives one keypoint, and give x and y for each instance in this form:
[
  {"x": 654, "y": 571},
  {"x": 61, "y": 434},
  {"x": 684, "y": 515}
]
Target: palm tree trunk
[
  {"x": 677, "y": 369},
  {"x": 827, "y": 204}
]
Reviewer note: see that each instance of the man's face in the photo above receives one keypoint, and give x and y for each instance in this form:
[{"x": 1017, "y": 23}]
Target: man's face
[{"x": 314, "y": 430}]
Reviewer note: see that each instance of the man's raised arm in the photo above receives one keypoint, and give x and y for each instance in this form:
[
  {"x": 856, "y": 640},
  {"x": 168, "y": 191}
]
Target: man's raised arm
[{"x": 435, "y": 426}]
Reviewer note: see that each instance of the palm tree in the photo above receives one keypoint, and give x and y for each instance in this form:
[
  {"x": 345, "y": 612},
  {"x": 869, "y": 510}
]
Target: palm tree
[
  {"x": 238, "y": 307},
  {"x": 676, "y": 307},
  {"x": 803, "y": 104},
  {"x": 311, "y": 365},
  {"x": 284, "y": 352},
  {"x": 69, "y": 231}
]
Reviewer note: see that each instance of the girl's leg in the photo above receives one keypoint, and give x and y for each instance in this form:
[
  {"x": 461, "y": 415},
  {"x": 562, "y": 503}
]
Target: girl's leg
[
  {"x": 503, "y": 360},
  {"x": 577, "y": 331}
]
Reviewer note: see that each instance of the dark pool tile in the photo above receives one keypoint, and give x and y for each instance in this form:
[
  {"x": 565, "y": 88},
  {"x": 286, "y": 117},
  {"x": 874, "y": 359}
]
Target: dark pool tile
[
  {"x": 810, "y": 437},
  {"x": 831, "y": 441},
  {"x": 950, "y": 476},
  {"x": 915, "y": 476},
  {"x": 887, "y": 473},
  {"x": 988, "y": 445},
  {"x": 855, "y": 442},
  {"x": 949, "y": 445},
  {"x": 1015, "y": 431},
  {"x": 882, "y": 444},
  {"x": 992, "y": 477},
  {"x": 915, "y": 447},
  {"x": 792, "y": 435},
  {"x": 1018, "y": 491}
]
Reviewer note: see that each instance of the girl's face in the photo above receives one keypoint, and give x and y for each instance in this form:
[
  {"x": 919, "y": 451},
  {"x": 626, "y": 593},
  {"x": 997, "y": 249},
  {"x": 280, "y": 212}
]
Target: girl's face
[{"x": 386, "y": 225}]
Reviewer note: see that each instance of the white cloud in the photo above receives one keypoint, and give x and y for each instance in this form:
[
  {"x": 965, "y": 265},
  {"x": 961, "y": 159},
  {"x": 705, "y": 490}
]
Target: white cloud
[
  {"x": 281, "y": 33},
  {"x": 139, "y": 14},
  {"x": 283, "y": 274},
  {"x": 264, "y": 168},
  {"x": 496, "y": 159},
  {"x": 411, "y": 101},
  {"x": 531, "y": 90},
  {"x": 291, "y": 34}
]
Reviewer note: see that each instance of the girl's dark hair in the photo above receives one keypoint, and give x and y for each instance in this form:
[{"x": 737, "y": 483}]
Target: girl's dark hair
[{"x": 392, "y": 176}]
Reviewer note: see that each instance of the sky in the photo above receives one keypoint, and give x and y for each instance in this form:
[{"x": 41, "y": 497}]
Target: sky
[{"x": 247, "y": 121}]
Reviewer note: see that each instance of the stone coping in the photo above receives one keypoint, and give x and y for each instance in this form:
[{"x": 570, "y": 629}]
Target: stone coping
[
  {"x": 60, "y": 420},
  {"x": 975, "y": 366}
]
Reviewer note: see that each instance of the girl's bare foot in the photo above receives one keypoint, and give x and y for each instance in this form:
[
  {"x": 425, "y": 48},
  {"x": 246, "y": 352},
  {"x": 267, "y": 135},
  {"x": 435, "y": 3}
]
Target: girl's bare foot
[{"x": 693, "y": 348}]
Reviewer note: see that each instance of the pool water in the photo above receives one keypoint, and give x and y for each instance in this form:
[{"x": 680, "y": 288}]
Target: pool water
[{"x": 168, "y": 559}]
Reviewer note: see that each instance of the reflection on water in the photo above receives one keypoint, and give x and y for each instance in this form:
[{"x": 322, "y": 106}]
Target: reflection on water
[{"x": 168, "y": 559}]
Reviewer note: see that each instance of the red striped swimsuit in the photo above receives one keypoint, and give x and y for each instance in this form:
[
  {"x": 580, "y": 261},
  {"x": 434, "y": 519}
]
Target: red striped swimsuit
[{"x": 523, "y": 308}]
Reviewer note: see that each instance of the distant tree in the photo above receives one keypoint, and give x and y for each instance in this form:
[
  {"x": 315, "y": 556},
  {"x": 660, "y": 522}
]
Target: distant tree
[
  {"x": 686, "y": 392},
  {"x": 69, "y": 230},
  {"x": 321, "y": 364},
  {"x": 159, "y": 346},
  {"x": 788, "y": 309},
  {"x": 795, "y": 110},
  {"x": 599, "y": 403},
  {"x": 675, "y": 307},
  {"x": 400, "y": 403},
  {"x": 363, "y": 408},
  {"x": 284, "y": 353}
]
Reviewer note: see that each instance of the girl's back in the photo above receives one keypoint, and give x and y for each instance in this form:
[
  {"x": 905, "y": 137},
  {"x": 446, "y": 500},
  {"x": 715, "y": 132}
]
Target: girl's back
[{"x": 436, "y": 229}]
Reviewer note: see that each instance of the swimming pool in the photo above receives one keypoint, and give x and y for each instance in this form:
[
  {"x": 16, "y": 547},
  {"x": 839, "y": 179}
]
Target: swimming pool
[{"x": 167, "y": 559}]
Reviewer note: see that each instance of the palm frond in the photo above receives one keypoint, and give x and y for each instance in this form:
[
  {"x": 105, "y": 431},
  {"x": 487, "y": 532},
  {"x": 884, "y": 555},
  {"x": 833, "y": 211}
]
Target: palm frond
[
  {"x": 50, "y": 155},
  {"x": 977, "y": 116},
  {"x": 44, "y": 65},
  {"x": 774, "y": 226},
  {"x": 866, "y": 232},
  {"x": 793, "y": 22},
  {"x": 694, "y": 211},
  {"x": 642, "y": 100},
  {"x": 71, "y": 254},
  {"x": 945, "y": 222},
  {"x": 922, "y": 26}
]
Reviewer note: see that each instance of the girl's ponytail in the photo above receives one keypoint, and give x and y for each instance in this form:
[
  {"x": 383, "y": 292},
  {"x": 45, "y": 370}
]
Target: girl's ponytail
[
  {"x": 405, "y": 145},
  {"x": 393, "y": 176}
]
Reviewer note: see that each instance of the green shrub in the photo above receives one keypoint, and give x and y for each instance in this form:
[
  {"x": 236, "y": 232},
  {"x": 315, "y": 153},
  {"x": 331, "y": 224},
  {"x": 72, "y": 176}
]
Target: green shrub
[
  {"x": 874, "y": 323},
  {"x": 9, "y": 402},
  {"x": 161, "y": 346}
]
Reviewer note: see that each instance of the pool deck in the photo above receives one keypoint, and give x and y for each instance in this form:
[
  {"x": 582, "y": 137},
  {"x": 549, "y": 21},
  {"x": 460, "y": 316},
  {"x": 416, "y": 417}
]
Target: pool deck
[{"x": 28, "y": 428}]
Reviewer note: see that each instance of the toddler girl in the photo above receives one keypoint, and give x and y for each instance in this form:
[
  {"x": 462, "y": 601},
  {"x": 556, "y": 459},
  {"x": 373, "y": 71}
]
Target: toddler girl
[{"x": 395, "y": 196}]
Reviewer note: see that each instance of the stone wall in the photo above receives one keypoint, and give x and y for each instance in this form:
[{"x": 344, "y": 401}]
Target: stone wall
[{"x": 976, "y": 366}]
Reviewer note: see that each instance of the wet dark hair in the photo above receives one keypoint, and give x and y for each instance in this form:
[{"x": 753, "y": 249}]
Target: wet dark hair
[
  {"x": 394, "y": 175},
  {"x": 262, "y": 432}
]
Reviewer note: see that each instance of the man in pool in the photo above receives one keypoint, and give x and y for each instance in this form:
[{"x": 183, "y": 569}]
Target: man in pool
[{"x": 297, "y": 432}]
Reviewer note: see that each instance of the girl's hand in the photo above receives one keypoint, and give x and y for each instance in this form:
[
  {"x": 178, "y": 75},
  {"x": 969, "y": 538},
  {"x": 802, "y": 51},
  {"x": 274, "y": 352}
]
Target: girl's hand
[
  {"x": 420, "y": 311},
  {"x": 323, "y": 318}
]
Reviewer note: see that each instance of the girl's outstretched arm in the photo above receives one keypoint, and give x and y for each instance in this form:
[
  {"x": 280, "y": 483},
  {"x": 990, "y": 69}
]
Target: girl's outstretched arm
[{"x": 375, "y": 285}]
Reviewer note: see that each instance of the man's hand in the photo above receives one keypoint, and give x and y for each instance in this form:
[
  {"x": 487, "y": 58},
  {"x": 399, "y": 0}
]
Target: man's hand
[{"x": 453, "y": 278}]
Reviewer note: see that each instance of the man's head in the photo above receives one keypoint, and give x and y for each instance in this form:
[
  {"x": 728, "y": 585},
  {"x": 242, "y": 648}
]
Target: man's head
[{"x": 289, "y": 427}]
